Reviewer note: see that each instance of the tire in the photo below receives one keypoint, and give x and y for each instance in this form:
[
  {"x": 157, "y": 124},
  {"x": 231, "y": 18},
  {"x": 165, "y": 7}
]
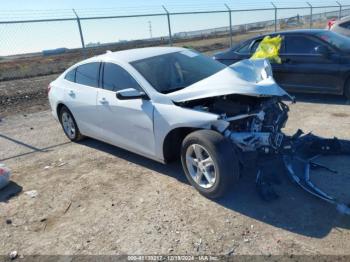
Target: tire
[
  {"x": 211, "y": 180},
  {"x": 69, "y": 125},
  {"x": 347, "y": 90}
]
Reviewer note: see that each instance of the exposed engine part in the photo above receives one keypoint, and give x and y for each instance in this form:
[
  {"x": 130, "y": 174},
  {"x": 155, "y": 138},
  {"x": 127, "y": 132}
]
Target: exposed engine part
[
  {"x": 254, "y": 124},
  {"x": 225, "y": 106},
  {"x": 245, "y": 114},
  {"x": 263, "y": 142},
  {"x": 259, "y": 115},
  {"x": 249, "y": 141}
]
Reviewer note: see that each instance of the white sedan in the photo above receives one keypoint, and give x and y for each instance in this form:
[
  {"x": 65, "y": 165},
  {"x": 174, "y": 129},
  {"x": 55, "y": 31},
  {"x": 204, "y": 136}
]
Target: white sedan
[{"x": 167, "y": 102}]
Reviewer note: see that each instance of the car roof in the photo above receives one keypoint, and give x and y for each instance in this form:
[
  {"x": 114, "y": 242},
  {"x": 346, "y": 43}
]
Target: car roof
[
  {"x": 343, "y": 20},
  {"x": 131, "y": 55}
]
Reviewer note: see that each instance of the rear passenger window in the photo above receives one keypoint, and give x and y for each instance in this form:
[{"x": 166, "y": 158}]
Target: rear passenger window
[
  {"x": 244, "y": 49},
  {"x": 300, "y": 45},
  {"x": 115, "y": 78},
  {"x": 87, "y": 74},
  {"x": 70, "y": 76}
]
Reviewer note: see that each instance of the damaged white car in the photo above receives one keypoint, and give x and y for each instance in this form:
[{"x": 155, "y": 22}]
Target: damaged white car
[{"x": 168, "y": 103}]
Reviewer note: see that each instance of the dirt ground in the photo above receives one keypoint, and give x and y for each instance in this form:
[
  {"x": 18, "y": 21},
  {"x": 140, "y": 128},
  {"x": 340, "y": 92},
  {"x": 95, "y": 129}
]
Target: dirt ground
[
  {"x": 93, "y": 198},
  {"x": 24, "y": 95}
]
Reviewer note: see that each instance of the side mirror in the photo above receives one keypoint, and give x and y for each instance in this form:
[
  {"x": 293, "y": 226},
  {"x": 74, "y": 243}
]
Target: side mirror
[
  {"x": 131, "y": 93},
  {"x": 322, "y": 50}
]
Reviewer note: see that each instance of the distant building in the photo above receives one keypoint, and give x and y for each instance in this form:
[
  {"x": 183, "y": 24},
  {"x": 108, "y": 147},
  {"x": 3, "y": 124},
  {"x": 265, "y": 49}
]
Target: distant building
[
  {"x": 56, "y": 51},
  {"x": 93, "y": 44}
]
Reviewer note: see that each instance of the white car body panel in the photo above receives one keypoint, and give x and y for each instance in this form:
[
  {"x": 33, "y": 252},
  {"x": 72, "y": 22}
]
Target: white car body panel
[
  {"x": 81, "y": 101},
  {"x": 141, "y": 126},
  {"x": 248, "y": 77},
  {"x": 170, "y": 117},
  {"x": 130, "y": 122}
]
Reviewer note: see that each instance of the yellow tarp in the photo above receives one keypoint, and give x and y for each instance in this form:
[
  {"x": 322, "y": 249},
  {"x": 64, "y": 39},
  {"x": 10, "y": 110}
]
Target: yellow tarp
[{"x": 269, "y": 48}]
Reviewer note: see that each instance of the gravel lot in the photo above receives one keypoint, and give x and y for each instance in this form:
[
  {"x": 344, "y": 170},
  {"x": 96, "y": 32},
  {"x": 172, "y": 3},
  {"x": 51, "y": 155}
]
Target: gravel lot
[
  {"x": 94, "y": 198},
  {"x": 24, "y": 95}
]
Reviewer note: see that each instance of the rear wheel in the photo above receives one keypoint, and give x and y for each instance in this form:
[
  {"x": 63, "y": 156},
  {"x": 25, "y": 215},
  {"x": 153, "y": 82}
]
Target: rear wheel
[
  {"x": 69, "y": 125},
  {"x": 210, "y": 162}
]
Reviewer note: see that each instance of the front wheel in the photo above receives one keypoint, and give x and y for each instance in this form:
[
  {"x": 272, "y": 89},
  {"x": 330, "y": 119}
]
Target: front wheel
[{"x": 210, "y": 162}]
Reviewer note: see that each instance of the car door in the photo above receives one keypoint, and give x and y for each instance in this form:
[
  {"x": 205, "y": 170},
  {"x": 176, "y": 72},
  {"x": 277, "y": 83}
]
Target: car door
[
  {"x": 125, "y": 123},
  {"x": 305, "y": 70},
  {"x": 80, "y": 97}
]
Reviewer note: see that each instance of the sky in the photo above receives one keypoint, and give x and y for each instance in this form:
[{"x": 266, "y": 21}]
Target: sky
[
  {"x": 35, "y": 37},
  {"x": 68, "y": 4}
]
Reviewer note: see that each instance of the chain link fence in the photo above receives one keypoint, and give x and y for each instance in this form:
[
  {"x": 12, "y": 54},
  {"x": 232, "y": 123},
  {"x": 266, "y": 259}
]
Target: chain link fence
[{"x": 31, "y": 48}]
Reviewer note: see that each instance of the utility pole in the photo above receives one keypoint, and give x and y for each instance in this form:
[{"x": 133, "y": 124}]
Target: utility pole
[
  {"x": 150, "y": 29},
  {"x": 81, "y": 35},
  {"x": 340, "y": 10},
  {"x": 230, "y": 21},
  {"x": 275, "y": 7},
  {"x": 169, "y": 25},
  {"x": 80, "y": 30},
  {"x": 311, "y": 7}
]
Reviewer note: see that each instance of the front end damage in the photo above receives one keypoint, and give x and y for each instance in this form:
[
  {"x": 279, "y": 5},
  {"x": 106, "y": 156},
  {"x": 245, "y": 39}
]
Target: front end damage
[{"x": 253, "y": 122}]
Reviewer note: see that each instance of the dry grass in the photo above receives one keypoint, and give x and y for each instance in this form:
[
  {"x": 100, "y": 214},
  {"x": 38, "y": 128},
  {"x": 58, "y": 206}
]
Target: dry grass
[{"x": 38, "y": 65}]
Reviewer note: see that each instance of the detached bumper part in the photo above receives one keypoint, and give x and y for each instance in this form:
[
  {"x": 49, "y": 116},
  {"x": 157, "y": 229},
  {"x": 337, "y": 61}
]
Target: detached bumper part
[
  {"x": 315, "y": 146},
  {"x": 305, "y": 183}
]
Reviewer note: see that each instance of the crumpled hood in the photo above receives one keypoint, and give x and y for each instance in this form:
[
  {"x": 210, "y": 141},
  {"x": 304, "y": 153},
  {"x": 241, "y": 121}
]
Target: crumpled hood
[{"x": 248, "y": 77}]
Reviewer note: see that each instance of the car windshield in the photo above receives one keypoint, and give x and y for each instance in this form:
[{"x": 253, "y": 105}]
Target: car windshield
[
  {"x": 339, "y": 41},
  {"x": 174, "y": 71}
]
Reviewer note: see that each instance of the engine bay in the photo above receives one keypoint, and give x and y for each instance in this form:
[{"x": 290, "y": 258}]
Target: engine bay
[{"x": 245, "y": 113}]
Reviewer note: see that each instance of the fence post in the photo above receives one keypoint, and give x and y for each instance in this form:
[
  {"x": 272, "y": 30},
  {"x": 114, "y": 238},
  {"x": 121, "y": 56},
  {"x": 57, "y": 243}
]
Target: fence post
[
  {"x": 80, "y": 31},
  {"x": 340, "y": 9},
  {"x": 230, "y": 19},
  {"x": 169, "y": 26},
  {"x": 274, "y": 6},
  {"x": 311, "y": 14}
]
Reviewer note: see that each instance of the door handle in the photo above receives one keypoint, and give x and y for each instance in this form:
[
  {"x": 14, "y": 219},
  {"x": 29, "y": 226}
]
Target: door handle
[
  {"x": 71, "y": 93},
  {"x": 103, "y": 101}
]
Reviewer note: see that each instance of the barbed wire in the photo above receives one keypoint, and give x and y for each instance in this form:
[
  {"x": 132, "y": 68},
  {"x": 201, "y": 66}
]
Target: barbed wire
[{"x": 172, "y": 7}]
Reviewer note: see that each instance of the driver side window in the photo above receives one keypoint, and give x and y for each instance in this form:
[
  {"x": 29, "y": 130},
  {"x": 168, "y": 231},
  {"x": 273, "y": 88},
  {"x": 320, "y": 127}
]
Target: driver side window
[
  {"x": 300, "y": 45},
  {"x": 255, "y": 46},
  {"x": 115, "y": 78}
]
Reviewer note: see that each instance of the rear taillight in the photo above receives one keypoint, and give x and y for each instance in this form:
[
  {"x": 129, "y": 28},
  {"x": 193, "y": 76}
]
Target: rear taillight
[{"x": 48, "y": 89}]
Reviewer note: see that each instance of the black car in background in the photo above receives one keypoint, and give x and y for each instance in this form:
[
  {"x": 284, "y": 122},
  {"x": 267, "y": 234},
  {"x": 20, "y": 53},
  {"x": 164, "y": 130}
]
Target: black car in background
[{"x": 313, "y": 61}]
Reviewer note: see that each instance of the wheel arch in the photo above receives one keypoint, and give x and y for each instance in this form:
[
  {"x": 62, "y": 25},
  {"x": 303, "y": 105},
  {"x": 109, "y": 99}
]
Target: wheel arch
[
  {"x": 173, "y": 141},
  {"x": 59, "y": 107}
]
